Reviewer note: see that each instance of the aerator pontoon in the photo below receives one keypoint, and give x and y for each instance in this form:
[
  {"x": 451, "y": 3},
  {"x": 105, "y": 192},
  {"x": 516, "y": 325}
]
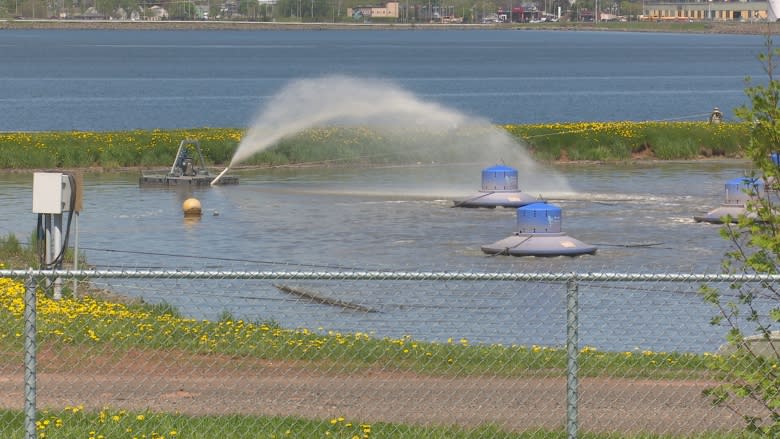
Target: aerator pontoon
[
  {"x": 539, "y": 234},
  {"x": 739, "y": 191},
  {"x": 188, "y": 169},
  {"x": 499, "y": 189}
]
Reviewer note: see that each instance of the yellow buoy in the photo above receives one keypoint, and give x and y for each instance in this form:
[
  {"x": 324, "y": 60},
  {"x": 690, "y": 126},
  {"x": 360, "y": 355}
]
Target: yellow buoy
[{"x": 191, "y": 207}]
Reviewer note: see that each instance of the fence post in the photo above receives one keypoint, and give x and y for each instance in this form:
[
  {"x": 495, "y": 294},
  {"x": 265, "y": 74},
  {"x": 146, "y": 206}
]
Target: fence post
[
  {"x": 30, "y": 347},
  {"x": 572, "y": 351}
]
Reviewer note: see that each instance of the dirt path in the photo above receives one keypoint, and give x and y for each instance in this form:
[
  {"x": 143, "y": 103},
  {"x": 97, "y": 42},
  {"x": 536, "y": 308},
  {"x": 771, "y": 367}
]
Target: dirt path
[{"x": 201, "y": 385}]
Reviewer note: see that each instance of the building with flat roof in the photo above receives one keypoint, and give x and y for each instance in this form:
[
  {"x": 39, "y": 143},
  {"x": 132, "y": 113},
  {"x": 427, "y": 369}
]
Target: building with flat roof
[
  {"x": 389, "y": 10},
  {"x": 704, "y": 10}
]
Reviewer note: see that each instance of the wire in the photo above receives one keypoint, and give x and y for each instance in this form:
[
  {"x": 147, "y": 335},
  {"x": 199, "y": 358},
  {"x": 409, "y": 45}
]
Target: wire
[
  {"x": 342, "y": 267},
  {"x": 471, "y": 200},
  {"x": 56, "y": 262},
  {"x": 505, "y": 251},
  {"x": 634, "y": 245},
  {"x": 40, "y": 240}
]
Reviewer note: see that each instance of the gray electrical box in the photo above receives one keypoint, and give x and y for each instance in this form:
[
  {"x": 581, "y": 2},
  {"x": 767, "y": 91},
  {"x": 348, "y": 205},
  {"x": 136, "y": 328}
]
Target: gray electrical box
[{"x": 52, "y": 193}]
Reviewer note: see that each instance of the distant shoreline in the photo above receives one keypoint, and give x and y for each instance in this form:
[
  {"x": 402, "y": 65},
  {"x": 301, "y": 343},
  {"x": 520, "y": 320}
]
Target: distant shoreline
[{"x": 708, "y": 28}]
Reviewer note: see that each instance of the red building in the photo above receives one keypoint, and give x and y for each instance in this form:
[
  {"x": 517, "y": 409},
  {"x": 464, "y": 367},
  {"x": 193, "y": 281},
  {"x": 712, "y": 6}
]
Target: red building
[{"x": 518, "y": 15}]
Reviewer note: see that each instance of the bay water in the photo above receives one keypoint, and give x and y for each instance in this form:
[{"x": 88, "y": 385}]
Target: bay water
[{"x": 125, "y": 79}]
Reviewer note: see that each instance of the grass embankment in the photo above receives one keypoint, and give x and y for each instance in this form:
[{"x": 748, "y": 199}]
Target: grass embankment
[
  {"x": 73, "y": 422},
  {"x": 92, "y": 321},
  {"x": 287, "y": 23},
  {"x": 674, "y": 26},
  {"x": 597, "y": 141},
  {"x": 620, "y": 141},
  {"x": 92, "y": 325}
]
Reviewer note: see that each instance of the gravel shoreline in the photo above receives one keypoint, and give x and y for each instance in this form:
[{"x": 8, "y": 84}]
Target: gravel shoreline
[{"x": 710, "y": 28}]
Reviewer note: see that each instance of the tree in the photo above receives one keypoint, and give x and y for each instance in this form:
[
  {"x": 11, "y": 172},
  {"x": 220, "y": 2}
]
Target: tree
[
  {"x": 747, "y": 373},
  {"x": 631, "y": 9},
  {"x": 181, "y": 10}
]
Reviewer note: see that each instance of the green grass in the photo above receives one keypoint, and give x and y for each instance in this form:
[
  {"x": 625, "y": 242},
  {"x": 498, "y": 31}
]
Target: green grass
[
  {"x": 17, "y": 255},
  {"x": 110, "y": 150},
  {"x": 593, "y": 141},
  {"x": 74, "y": 422},
  {"x": 102, "y": 321},
  {"x": 109, "y": 328},
  {"x": 621, "y": 141},
  {"x": 629, "y": 26}
]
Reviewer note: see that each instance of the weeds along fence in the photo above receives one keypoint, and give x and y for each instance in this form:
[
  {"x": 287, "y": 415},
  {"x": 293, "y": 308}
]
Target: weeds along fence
[{"x": 361, "y": 354}]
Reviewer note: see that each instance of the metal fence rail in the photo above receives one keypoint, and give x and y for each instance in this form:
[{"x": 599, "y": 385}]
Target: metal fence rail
[{"x": 366, "y": 353}]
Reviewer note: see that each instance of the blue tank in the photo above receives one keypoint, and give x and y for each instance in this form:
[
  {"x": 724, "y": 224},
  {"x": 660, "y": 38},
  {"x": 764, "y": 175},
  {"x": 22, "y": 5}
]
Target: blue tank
[
  {"x": 499, "y": 189},
  {"x": 539, "y": 218},
  {"x": 499, "y": 178},
  {"x": 539, "y": 234},
  {"x": 738, "y": 191}
]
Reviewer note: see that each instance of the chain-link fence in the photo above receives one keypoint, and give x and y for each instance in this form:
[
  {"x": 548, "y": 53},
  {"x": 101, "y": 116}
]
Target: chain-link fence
[{"x": 199, "y": 354}]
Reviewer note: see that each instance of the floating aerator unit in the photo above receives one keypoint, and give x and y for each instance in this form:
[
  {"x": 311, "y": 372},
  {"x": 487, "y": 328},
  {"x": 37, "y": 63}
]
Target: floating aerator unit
[
  {"x": 738, "y": 192},
  {"x": 499, "y": 188},
  {"x": 188, "y": 169},
  {"x": 539, "y": 234}
]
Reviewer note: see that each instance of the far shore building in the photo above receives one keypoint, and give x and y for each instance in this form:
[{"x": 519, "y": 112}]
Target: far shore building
[
  {"x": 389, "y": 10},
  {"x": 704, "y": 10},
  {"x": 157, "y": 13}
]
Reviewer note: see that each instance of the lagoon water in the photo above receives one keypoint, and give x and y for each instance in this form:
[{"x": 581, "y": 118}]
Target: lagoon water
[{"x": 639, "y": 216}]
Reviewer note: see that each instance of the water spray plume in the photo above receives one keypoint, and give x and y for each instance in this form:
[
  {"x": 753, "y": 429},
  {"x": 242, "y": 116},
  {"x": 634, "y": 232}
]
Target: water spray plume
[
  {"x": 335, "y": 100},
  {"x": 216, "y": 180},
  {"x": 384, "y": 107}
]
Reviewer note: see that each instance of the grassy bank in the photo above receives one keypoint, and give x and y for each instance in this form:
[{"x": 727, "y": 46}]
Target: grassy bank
[
  {"x": 596, "y": 141},
  {"x": 89, "y": 326},
  {"x": 64, "y": 323},
  {"x": 103, "y": 326},
  {"x": 619, "y": 141},
  {"x": 717, "y": 27},
  {"x": 74, "y": 422}
]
